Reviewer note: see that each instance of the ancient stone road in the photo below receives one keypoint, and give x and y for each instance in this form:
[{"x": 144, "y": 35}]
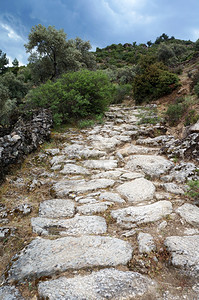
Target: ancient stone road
[{"x": 116, "y": 203}]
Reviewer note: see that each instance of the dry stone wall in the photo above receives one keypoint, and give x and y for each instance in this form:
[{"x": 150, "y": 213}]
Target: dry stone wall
[{"x": 23, "y": 139}]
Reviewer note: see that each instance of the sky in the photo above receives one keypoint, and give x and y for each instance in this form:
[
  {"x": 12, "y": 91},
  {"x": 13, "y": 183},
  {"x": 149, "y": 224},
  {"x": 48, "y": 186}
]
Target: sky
[{"x": 102, "y": 22}]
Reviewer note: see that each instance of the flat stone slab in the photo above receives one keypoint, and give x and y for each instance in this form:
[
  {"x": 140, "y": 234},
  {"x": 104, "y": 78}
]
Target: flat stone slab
[
  {"x": 64, "y": 187},
  {"x": 101, "y": 164},
  {"x": 130, "y": 216},
  {"x": 134, "y": 149},
  {"x": 113, "y": 197},
  {"x": 57, "y": 208},
  {"x": 190, "y": 213},
  {"x": 101, "y": 285},
  {"x": 10, "y": 293},
  {"x": 108, "y": 174},
  {"x": 185, "y": 253},
  {"x": 137, "y": 190},
  {"x": 131, "y": 175},
  {"x": 173, "y": 188},
  {"x": 152, "y": 165},
  {"x": 47, "y": 257},
  {"x": 79, "y": 225},
  {"x": 102, "y": 143},
  {"x": 145, "y": 242},
  {"x": 74, "y": 169},
  {"x": 93, "y": 208},
  {"x": 80, "y": 151}
]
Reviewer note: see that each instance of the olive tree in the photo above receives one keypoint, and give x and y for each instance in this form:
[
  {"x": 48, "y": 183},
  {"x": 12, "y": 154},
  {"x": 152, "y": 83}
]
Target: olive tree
[
  {"x": 51, "y": 54},
  {"x": 3, "y": 62}
]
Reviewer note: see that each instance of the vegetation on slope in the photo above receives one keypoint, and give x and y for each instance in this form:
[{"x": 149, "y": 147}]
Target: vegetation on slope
[{"x": 75, "y": 83}]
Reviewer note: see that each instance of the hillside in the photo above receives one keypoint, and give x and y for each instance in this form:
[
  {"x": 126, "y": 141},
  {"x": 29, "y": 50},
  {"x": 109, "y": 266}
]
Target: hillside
[{"x": 100, "y": 199}]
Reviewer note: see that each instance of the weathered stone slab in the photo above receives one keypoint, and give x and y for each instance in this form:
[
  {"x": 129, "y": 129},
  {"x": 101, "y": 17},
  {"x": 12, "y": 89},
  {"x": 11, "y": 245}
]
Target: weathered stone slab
[
  {"x": 152, "y": 165},
  {"x": 74, "y": 169},
  {"x": 47, "y": 257},
  {"x": 101, "y": 285},
  {"x": 130, "y": 216},
  {"x": 131, "y": 175},
  {"x": 10, "y": 293},
  {"x": 108, "y": 174},
  {"x": 113, "y": 197},
  {"x": 194, "y": 128},
  {"x": 190, "y": 213},
  {"x": 57, "y": 159},
  {"x": 134, "y": 149},
  {"x": 145, "y": 242},
  {"x": 64, "y": 187},
  {"x": 173, "y": 188},
  {"x": 93, "y": 208},
  {"x": 56, "y": 208},
  {"x": 137, "y": 190},
  {"x": 78, "y": 225},
  {"x": 185, "y": 253},
  {"x": 101, "y": 164},
  {"x": 102, "y": 143},
  {"x": 81, "y": 151}
]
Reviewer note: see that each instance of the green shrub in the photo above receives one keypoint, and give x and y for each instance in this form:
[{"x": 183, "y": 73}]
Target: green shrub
[
  {"x": 7, "y": 106},
  {"x": 74, "y": 95},
  {"x": 196, "y": 89},
  {"x": 193, "y": 189},
  {"x": 174, "y": 113},
  {"x": 85, "y": 123},
  {"x": 153, "y": 83},
  {"x": 121, "y": 90},
  {"x": 191, "y": 118}
]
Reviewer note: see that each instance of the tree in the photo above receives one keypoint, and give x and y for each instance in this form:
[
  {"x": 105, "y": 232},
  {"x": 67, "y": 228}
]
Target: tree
[
  {"x": 165, "y": 53},
  {"x": 3, "y": 62},
  {"x": 51, "y": 54},
  {"x": 15, "y": 63},
  {"x": 15, "y": 67},
  {"x": 7, "y": 105}
]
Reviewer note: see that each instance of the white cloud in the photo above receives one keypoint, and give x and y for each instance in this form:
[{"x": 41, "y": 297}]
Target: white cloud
[
  {"x": 11, "y": 33},
  {"x": 194, "y": 34}
]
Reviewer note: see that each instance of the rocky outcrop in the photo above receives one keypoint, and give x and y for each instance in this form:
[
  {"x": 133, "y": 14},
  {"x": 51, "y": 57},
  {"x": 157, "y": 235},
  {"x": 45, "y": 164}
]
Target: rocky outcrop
[
  {"x": 24, "y": 138},
  {"x": 185, "y": 148}
]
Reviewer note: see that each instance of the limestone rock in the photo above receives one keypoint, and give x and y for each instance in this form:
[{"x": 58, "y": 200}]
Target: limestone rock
[
  {"x": 131, "y": 175},
  {"x": 185, "y": 252},
  {"x": 145, "y": 242},
  {"x": 101, "y": 164},
  {"x": 78, "y": 225},
  {"x": 137, "y": 190},
  {"x": 74, "y": 169},
  {"x": 64, "y": 187},
  {"x": 130, "y": 216},
  {"x": 194, "y": 128},
  {"x": 93, "y": 208},
  {"x": 108, "y": 174},
  {"x": 47, "y": 257},
  {"x": 10, "y": 293},
  {"x": 134, "y": 149},
  {"x": 190, "y": 213},
  {"x": 152, "y": 165},
  {"x": 56, "y": 208},
  {"x": 113, "y": 197},
  {"x": 101, "y": 285},
  {"x": 173, "y": 188}
]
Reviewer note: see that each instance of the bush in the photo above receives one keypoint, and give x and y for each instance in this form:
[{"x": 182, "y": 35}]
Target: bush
[
  {"x": 191, "y": 118},
  {"x": 174, "y": 113},
  {"x": 153, "y": 83},
  {"x": 74, "y": 95},
  {"x": 7, "y": 106},
  {"x": 193, "y": 189},
  {"x": 196, "y": 89},
  {"x": 121, "y": 90}
]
